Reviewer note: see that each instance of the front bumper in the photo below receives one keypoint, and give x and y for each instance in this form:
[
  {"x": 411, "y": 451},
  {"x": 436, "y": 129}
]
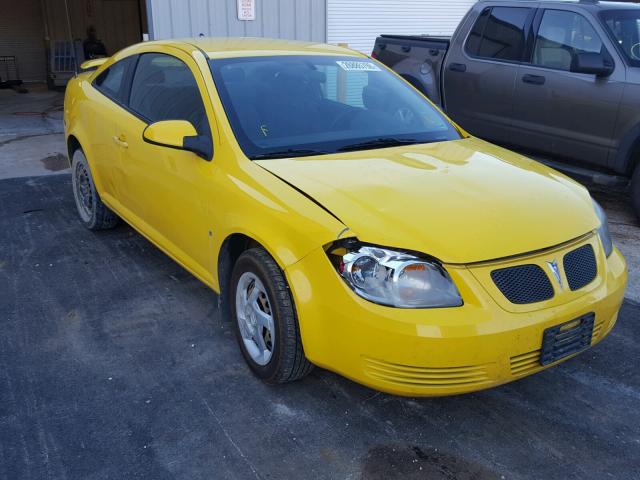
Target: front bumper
[{"x": 445, "y": 351}]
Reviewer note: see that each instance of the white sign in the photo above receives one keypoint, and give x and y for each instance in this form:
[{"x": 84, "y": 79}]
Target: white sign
[
  {"x": 355, "y": 66},
  {"x": 246, "y": 9}
]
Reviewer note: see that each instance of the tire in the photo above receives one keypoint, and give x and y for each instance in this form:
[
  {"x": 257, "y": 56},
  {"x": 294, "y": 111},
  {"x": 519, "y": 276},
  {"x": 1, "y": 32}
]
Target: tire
[
  {"x": 279, "y": 357},
  {"x": 94, "y": 214},
  {"x": 635, "y": 191}
]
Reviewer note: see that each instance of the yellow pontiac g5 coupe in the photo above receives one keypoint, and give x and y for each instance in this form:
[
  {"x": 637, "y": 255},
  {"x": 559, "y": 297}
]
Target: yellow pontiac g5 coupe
[{"x": 342, "y": 218}]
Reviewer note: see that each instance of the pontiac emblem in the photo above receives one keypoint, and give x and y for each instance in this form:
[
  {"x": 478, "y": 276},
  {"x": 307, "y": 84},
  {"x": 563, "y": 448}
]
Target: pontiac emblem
[{"x": 553, "y": 266}]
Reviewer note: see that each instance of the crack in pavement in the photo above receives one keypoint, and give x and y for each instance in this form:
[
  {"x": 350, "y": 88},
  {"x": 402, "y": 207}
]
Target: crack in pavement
[{"x": 25, "y": 137}]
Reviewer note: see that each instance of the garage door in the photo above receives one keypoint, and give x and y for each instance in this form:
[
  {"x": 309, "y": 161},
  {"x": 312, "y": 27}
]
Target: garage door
[
  {"x": 359, "y": 22},
  {"x": 22, "y": 36}
]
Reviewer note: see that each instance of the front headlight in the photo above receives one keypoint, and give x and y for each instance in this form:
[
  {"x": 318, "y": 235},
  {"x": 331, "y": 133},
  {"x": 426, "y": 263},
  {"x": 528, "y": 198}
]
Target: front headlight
[
  {"x": 603, "y": 229},
  {"x": 397, "y": 279}
]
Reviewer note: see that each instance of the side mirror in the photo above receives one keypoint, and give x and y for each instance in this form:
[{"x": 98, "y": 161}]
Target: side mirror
[
  {"x": 591, "y": 63},
  {"x": 178, "y": 134}
]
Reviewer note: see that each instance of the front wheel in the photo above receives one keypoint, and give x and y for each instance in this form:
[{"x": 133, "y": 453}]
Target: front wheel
[
  {"x": 635, "y": 191},
  {"x": 265, "y": 319}
]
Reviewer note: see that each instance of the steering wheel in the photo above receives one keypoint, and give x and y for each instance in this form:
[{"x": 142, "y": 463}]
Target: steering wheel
[
  {"x": 342, "y": 117},
  {"x": 405, "y": 116},
  {"x": 635, "y": 51}
]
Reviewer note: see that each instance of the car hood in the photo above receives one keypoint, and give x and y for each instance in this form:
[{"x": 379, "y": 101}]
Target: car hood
[{"x": 461, "y": 201}]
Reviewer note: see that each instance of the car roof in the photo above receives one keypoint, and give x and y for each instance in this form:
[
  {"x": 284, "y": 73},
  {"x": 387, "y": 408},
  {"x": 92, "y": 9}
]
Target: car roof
[{"x": 226, "y": 47}]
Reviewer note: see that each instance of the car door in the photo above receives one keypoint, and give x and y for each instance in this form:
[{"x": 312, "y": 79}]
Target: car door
[
  {"x": 559, "y": 112},
  {"x": 480, "y": 72},
  {"x": 167, "y": 190},
  {"x": 107, "y": 103}
]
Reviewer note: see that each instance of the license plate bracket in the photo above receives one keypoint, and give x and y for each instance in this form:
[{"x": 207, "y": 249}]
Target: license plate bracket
[{"x": 566, "y": 339}]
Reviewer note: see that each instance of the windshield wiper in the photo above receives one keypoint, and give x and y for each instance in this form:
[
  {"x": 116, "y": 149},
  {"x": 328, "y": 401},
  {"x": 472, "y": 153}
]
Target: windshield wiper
[
  {"x": 379, "y": 143},
  {"x": 290, "y": 152}
]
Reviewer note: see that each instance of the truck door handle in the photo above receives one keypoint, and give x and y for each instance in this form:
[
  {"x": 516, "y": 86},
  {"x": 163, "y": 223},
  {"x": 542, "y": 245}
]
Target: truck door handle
[
  {"x": 120, "y": 141},
  {"x": 458, "y": 67},
  {"x": 406, "y": 48},
  {"x": 533, "y": 79}
]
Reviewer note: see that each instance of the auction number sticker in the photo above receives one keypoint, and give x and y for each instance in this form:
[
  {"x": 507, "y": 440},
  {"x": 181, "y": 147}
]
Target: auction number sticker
[{"x": 354, "y": 66}]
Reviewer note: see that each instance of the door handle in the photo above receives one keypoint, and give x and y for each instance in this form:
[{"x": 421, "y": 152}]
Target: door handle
[
  {"x": 458, "y": 67},
  {"x": 533, "y": 79},
  {"x": 406, "y": 48},
  {"x": 120, "y": 141}
]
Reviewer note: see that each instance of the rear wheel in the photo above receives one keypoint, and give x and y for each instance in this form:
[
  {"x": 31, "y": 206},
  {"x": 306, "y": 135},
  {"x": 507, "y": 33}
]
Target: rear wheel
[
  {"x": 94, "y": 214},
  {"x": 635, "y": 191},
  {"x": 265, "y": 319}
]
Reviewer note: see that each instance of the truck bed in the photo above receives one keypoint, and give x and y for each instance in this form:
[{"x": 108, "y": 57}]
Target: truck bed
[{"x": 417, "y": 58}]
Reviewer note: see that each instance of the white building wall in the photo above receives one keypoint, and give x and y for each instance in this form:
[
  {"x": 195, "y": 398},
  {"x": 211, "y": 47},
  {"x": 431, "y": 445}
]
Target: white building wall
[
  {"x": 359, "y": 22},
  {"x": 289, "y": 19}
]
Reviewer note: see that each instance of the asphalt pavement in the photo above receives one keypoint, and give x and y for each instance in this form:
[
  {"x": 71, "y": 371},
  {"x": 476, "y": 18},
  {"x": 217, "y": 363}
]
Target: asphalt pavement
[{"x": 115, "y": 364}]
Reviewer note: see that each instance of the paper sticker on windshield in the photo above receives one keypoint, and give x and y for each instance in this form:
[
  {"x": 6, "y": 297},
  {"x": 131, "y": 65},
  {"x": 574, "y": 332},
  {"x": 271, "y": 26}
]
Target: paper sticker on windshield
[{"x": 354, "y": 66}]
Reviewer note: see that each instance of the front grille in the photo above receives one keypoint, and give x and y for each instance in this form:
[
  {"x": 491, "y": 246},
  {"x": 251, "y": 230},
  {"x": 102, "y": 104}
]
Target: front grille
[
  {"x": 523, "y": 284},
  {"x": 580, "y": 267},
  {"x": 431, "y": 377}
]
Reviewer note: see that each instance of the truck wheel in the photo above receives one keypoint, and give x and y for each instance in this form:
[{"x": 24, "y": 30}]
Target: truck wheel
[
  {"x": 635, "y": 191},
  {"x": 265, "y": 319},
  {"x": 94, "y": 214}
]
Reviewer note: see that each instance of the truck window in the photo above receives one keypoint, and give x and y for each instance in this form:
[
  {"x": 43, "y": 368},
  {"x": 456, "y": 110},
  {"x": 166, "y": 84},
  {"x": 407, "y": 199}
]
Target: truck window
[
  {"x": 562, "y": 35},
  {"x": 499, "y": 34},
  {"x": 624, "y": 27}
]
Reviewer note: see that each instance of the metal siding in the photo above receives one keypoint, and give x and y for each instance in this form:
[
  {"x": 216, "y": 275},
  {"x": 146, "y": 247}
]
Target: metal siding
[
  {"x": 359, "y": 22},
  {"x": 181, "y": 18},
  {"x": 217, "y": 19},
  {"x": 199, "y": 18},
  {"x": 270, "y": 17},
  {"x": 291, "y": 19}
]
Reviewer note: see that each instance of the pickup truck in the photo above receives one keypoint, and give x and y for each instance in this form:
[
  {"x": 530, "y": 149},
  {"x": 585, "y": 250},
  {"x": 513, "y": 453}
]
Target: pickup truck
[{"x": 556, "y": 80}]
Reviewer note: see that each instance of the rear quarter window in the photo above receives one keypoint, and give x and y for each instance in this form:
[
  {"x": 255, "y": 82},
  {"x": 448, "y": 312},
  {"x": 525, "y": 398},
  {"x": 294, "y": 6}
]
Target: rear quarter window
[{"x": 112, "y": 82}]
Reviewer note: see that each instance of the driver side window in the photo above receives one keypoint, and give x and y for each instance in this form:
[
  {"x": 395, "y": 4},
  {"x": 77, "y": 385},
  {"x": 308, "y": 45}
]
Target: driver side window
[
  {"x": 561, "y": 36},
  {"x": 164, "y": 88}
]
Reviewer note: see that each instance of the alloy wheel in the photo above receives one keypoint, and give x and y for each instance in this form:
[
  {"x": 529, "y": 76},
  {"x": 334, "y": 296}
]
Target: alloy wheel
[{"x": 255, "y": 318}]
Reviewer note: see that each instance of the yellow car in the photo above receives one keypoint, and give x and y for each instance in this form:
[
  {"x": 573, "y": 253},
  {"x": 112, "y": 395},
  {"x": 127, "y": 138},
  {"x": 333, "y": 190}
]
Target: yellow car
[{"x": 343, "y": 220}]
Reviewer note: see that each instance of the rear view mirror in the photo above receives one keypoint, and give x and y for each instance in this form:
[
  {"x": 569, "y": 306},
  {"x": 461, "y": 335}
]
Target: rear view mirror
[
  {"x": 178, "y": 134},
  {"x": 591, "y": 63}
]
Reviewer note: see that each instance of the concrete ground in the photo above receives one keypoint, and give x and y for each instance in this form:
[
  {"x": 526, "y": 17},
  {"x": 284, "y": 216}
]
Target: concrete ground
[
  {"x": 31, "y": 133},
  {"x": 114, "y": 363}
]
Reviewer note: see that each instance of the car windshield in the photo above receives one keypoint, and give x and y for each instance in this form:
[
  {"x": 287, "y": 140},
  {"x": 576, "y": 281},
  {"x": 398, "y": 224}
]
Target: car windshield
[
  {"x": 624, "y": 27},
  {"x": 289, "y": 106}
]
